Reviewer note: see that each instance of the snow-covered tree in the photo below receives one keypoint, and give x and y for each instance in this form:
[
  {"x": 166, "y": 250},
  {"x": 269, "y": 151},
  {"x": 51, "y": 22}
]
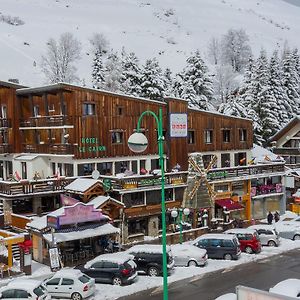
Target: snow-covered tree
[
  {"x": 113, "y": 73},
  {"x": 235, "y": 49},
  {"x": 214, "y": 51},
  {"x": 152, "y": 80},
  {"x": 168, "y": 83},
  {"x": 131, "y": 74},
  {"x": 58, "y": 63},
  {"x": 99, "y": 43},
  {"x": 196, "y": 73},
  {"x": 98, "y": 73}
]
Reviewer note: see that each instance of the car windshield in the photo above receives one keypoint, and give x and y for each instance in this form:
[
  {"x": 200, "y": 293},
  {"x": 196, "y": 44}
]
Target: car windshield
[
  {"x": 84, "y": 279},
  {"x": 39, "y": 291}
]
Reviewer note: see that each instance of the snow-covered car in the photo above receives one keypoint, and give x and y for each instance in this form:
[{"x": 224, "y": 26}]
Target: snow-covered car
[
  {"x": 24, "y": 289},
  {"x": 229, "y": 296},
  {"x": 188, "y": 255},
  {"x": 288, "y": 230},
  {"x": 268, "y": 235},
  {"x": 70, "y": 283},
  {"x": 289, "y": 287}
]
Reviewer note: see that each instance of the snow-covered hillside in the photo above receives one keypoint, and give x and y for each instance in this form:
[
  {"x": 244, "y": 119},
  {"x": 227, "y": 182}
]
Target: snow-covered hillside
[{"x": 166, "y": 29}]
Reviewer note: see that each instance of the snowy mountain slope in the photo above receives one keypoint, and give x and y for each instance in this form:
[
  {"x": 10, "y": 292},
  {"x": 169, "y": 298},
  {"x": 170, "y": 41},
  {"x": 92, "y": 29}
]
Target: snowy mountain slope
[{"x": 168, "y": 29}]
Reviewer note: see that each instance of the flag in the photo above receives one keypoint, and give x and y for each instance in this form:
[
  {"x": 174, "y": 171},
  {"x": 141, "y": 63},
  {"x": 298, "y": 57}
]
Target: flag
[{"x": 17, "y": 176}]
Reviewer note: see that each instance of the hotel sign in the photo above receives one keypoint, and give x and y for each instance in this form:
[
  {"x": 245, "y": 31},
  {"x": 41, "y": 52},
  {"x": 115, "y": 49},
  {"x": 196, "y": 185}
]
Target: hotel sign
[
  {"x": 90, "y": 144},
  {"x": 178, "y": 125}
]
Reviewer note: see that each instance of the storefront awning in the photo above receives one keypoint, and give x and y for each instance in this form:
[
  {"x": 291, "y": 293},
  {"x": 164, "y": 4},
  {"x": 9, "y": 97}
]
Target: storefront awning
[
  {"x": 59, "y": 237},
  {"x": 229, "y": 204}
]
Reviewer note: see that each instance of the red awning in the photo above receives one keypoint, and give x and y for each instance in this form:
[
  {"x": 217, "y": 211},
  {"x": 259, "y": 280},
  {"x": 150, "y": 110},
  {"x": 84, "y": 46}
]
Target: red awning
[{"x": 229, "y": 204}]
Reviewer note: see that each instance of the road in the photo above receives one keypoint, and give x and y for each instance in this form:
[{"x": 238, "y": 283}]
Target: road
[{"x": 261, "y": 274}]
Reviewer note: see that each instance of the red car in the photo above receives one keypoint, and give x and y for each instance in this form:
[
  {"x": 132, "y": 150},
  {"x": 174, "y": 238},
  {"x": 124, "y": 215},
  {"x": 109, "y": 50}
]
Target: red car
[{"x": 248, "y": 238}]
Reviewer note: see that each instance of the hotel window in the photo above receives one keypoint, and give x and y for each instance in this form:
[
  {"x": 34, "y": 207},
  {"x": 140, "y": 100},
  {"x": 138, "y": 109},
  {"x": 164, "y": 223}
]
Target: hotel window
[
  {"x": 36, "y": 111},
  {"x": 226, "y": 135},
  {"x": 243, "y": 135},
  {"x": 119, "y": 110},
  {"x": 88, "y": 109},
  {"x": 225, "y": 160},
  {"x": 117, "y": 137},
  {"x": 208, "y": 136},
  {"x": 191, "y": 137}
]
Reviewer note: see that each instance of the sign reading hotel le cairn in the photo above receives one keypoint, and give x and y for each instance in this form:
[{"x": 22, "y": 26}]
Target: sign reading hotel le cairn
[
  {"x": 178, "y": 125},
  {"x": 90, "y": 144},
  {"x": 78, "y": 213}
]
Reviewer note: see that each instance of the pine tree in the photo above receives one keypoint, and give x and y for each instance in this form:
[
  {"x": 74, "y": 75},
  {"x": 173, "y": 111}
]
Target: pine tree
[
  {"x": 152, "y": 82},
  {"x": 98, "y": 71},
  {"x": 168, "y": 83},
  {"x": 113, "y": 73},
  {"x": 131, "y": 74},
  {"x": 196, "y": 73}
]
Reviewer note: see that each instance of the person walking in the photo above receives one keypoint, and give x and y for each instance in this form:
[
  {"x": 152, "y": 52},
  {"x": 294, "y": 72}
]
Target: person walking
[
  {"x": 276, "y": 216},
  {"x": 270, "y": 218}
]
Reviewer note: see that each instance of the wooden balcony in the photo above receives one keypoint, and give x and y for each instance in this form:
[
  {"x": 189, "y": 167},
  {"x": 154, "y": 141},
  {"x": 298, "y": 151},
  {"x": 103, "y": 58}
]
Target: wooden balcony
[
  {"x": 287, "y": 151},
  {"x": 49, "y": 148},
  {"x": 244, "y": 172},
  {"x": 5, "y": 148},
  {"x": 23, "y": 188},
  {"x": 145, "y": 181},
  {"x": 5, "y": 123},
  {"x": 47, "y": 121}
]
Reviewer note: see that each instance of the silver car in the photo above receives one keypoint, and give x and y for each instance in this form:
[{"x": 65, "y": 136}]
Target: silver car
[
  {"x": 288, "y": 231},
  {"x": 267, "y": 234},
  {"x": 188, "y": 255}
]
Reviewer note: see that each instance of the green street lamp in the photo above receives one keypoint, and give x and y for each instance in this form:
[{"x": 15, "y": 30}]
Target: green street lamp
[
  {"x": 174, "y": 214},
  {"x": 138, "y": 142}
]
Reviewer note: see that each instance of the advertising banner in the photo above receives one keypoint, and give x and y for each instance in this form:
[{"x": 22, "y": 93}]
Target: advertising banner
[{"x": 178, "y": 125}]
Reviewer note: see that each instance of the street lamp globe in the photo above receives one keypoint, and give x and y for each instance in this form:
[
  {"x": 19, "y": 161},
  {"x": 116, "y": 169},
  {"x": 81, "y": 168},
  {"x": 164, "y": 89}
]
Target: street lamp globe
[
  {"x": 174, "y": 213},
  {"x": 186, "y": 211},
  {"x": 137, "y": 142}
]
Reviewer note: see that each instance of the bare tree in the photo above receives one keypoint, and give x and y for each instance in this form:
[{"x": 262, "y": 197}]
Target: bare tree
[
  {"x": 58, "y": 63},
  {"x": 214, "y": 50},
  {"x": 100, "y": 43}
]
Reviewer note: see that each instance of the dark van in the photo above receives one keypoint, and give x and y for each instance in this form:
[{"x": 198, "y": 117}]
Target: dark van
[{"x": 222, "y": 246}]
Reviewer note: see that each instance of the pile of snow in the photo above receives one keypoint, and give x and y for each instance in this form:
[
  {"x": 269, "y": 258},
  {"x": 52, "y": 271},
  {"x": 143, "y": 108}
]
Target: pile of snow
[{"x": 263, "y": 155}]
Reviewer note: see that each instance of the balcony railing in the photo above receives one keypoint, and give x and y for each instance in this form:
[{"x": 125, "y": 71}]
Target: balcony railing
[
  {"x": 144, "y": 181},
  {"x": 266, "y": 189},
  {"x": 287, "y": 151},
  {"x": 47, "y": 121},
  {"x": 244, "y": 171},
  {"x": 5, "y": 123},
  {"x": 5, "y": 148},
  {"x": 49, "y": 148},
  {"x": 25, "y": 187}
]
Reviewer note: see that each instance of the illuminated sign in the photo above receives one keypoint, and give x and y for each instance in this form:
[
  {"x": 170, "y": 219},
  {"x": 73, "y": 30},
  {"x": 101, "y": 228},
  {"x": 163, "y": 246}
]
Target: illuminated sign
[
  {"x": 178, "y": 125},
  {"x": 90, "y": 144}
]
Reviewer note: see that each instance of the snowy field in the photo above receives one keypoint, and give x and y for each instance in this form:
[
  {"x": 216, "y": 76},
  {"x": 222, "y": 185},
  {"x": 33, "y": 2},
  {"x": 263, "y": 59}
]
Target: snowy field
[
  {"x": 169, "y": 30},
  {"x": 143, "y": 282}
]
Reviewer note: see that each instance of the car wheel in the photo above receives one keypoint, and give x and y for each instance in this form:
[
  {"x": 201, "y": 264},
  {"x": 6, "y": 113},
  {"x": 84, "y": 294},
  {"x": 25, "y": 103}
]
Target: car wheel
[
  {"x": 296, "y": 237},
  {"x": 248, "y": 250},
  {"x": 117, "y": 281},
  {"x": 192, "y": 263},
  {"x": 76, "y": 296},
  {"x": 153, "y": 271},
  {"x": 227, "y": 256},
  {"x": 271, "y": 244}
]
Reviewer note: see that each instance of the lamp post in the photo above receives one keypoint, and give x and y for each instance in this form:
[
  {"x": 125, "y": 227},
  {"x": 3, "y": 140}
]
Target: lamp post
[
  {"x": 174, "y": 214},
  {"x": 138, "y": 142}
]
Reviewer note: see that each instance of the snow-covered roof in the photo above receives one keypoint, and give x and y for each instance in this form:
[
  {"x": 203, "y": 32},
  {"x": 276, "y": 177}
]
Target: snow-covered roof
[
  {"x": 147, "y": 249},
  {"x": 118, "y": 257},
  {"x": 26, "y": 157},
  {"x": 11, "y": 84},
  {"x": 59, "y": 237},
  {"x": 100, "y": 200},
  {"x": 284, "y": 129},
  {"x": 187, "y": 249},
  {"x": 80, "y": 184},
  {"x": 263, "y": 155},
  {"x": 289, "y": 287}
]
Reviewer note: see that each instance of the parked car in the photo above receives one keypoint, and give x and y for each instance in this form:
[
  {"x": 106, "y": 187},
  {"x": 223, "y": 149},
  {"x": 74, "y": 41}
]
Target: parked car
[
  {"x": 248, "y": 238},
  {"x": 221, "y": 245},
  {"x": 24, "y": 289},
  {"x": 149, "y": 259},
  {"x": 267, "y": 234},
  {"x": 289, "y": 287},
  {"x": 70, "y": 283},
  {"x": 288, "y": 231},
  {"x": 114, "y": 268},
  {"x": 188, "y": 255}
]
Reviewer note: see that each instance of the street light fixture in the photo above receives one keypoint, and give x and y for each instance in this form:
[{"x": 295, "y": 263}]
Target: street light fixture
[
  {"x": 174, "y": 214},
  {"x": 138, "y": 142}
]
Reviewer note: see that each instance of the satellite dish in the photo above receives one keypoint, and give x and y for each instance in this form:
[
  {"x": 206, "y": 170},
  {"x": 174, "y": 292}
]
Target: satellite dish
[{"x": 95, "y": 174}]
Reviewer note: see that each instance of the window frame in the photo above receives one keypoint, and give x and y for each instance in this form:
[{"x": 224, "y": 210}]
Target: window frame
[
  {"x": 86, "y": 109},
  {"x": 114, "y": 140},
  {"x": 224, "y": 135},
  {"x": 191, "y": 137},
  {"x": 208, "y": 136},
  {"x": 242, "y": 135}
]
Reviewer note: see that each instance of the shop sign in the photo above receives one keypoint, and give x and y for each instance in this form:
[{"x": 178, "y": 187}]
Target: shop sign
[
  {"x": 54, "y": 258},
  {"x": 155, "y": 181},
  {"x": 253, "y": 191},
  {"x": 52, "y": 222},
  {"x": 217, "y": 175},
  {"x": 90, "y": 144},
  {"x": 178, "y": 125},
  {"x": 106, "y": 184}
]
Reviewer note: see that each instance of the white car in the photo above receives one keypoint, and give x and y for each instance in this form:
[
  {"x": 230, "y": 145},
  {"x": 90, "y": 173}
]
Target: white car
[
  {"x": 188, "y": 255},
  {"x": 70, "y": 283},
  {"x": 24, "y": 289},
  {"x": 289, "y": 287}
]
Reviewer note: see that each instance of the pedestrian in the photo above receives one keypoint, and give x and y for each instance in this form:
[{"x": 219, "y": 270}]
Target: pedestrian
[
  {"x": 270, "y": 218},
  {"x": 276, "y": 216}
]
